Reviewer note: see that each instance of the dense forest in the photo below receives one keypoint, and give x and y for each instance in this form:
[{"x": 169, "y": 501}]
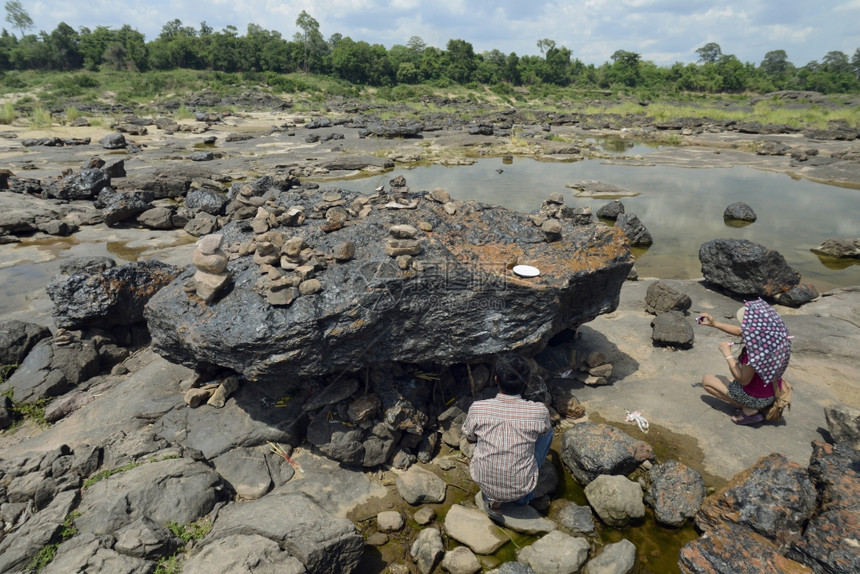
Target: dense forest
[{"x": 267, "y": 55}]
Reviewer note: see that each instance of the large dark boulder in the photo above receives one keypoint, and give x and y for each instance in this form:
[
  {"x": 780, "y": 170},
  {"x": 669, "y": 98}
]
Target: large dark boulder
[
  {"x": 455, "y": 301},
  {"x": 675, "y": 492},
  {"x": 746, "y": 268},
  {"x": 835, "y": 472},
  {"x": 206, "y": 200},
  {"x": 115, "y": 296},
  {"x": 86, "y": 184},
  {"x": 633, "y": 227},
  {"x": 589, "y": 450},
  {"x": 51, "y": 370},
  {"x": 120, "y": 206},
  {"x": 774, "y": 497}
]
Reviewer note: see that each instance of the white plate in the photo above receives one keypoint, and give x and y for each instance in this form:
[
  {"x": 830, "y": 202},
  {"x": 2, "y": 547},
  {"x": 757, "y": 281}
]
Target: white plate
[{"x": 526, "y": 271}]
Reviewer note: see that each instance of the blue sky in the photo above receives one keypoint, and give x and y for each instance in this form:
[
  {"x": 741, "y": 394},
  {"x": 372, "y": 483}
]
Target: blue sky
[{"x": 662, "y": 31}]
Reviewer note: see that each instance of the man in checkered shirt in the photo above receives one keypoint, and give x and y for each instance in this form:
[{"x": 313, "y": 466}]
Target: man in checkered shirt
[{"x": 512, "y": 437}]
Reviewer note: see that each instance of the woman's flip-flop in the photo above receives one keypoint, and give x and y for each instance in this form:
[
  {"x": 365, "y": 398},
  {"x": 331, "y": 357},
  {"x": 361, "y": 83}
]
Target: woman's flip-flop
[{"x": 743, "y": 419}]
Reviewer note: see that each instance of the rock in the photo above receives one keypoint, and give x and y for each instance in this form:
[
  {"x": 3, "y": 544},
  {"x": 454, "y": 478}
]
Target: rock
[
  {"x": 843, "y": 248},
  {"x": 567, "y": 405},
  {"x": 617, "y": 558},
  {"x": 226, "y": 388},
  {"x": 774, "y": 497},
  {"x": 675, "y": 492},
  {"x": 310, "y": 287},
  {"x": 419, "y": 486},
  {"x": 424, "y": 515},
  {"x": 634, "y": 229},
  {"x": 589, "y": 450},
  {"x": 575, "y": 520},
  {"x": 145, "y": 538},
  {"x": 615, "y": 499},
  {"x": 206, "y": 200},
  {"x": 245, "y": 469},
  {"x": 235, "y": 553},
  {"x": 320, "y": 541},
  {"x": 113, "y": 141},
  {"x": 157, "y": 218},
  {"x": 521, "y": 517},
  {"x": 552, "y": 228},
  {"x": 460, "y": 560},
  {"x": 195, "y": 397},
  {"x": 403, "y": 231},
  {"x": 202, "y": 224},
  {"x": 344, "y": 251},
  {"x": 739, "y": 211},
  {"x": 746, "y": 268},
  {"x": 17, "y": 338},
  {"x": 823, "y": 545},
  {"x": 660, "y": 298},
  {"x": 672, "y": 329},
  {"x": 50, "y": 370},
  {"x": 611, "y": 210},
  {"x": 367, "y": 297},
  {"x": 209, "y": 286},
  {"x": 439, "y": 195},
  {"x": 215, "y": 262},
  {"x": 736, "y": 549},
  {"x": 390, "y": 521},
  {"x": 427, "y": 550},
  {"x": 179, "y": 490},
  {"x": 843, "y": 423},
  {"x": 86, "y": 184},
  {"x": 115, "y": 296},
  {"x": 121, "y": 206},
  {"x": 397, "y": 247},
  {"x": 556, "y": 552},
  {"x": 798, "y": 295},
  {"x": 474, "y": 529},
  {"x": 202, "y": 156}
]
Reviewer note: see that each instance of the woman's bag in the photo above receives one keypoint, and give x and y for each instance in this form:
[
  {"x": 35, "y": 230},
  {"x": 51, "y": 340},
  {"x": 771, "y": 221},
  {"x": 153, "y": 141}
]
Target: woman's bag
[{"x": 781, "y": 401}]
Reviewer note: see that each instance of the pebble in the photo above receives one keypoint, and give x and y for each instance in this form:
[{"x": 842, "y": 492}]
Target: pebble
[{"x": 310, "y": 286}]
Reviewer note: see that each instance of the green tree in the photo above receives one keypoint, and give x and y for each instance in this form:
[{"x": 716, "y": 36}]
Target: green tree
[
  {"x": 710, "y": 53},
  {"x": 311, "y": 39},
  {"x": 625, "y": 68},
  {"x": 18, "y": 17},
  {"x": 65, "y": 46},
  {"x": 836, "y": 62},
  {"x": 460, "y": 61},
  {"x": 775, "y": 63},
  {"x": 855, "y": 62},
  {"x": 545, "y": 45}
]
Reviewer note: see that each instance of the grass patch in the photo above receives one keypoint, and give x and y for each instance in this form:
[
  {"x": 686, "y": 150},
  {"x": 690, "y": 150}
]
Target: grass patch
[
  {"x": 99, "y": 476},
  {"x": 186, "y": 533},
  {"x": 6, "y": 372},
  {"x": 41, "y": 119},
  {"x": 183, "y": 113},
  {"x": 49, "y": 551},
  {"x": 71, "y": 114},
  {"x": 7, "y": 113}
]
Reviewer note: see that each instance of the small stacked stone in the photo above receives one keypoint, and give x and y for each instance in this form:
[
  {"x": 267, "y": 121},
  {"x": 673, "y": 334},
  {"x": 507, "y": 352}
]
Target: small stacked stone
[
  {"x": 211, "y": 277},
  {"x": 403, "y": 244}
]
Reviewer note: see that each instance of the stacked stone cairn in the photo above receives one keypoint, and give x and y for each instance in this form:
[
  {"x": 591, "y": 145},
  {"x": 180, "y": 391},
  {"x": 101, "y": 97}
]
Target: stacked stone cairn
[
  {"x": 211, "y": 277},
  {"x": 553, "y": 211}
]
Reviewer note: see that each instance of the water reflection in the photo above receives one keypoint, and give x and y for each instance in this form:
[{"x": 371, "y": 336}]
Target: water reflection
[{"x": 682, "y": 208}]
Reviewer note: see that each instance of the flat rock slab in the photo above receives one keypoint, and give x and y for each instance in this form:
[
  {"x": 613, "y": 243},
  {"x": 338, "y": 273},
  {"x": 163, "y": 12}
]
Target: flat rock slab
[
  {"x": 521, "y": 517},
  {"x": 474, "y": 529}
]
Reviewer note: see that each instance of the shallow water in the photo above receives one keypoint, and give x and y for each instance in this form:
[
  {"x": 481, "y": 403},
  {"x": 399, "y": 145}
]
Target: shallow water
[{"x": 681, "y": 207}]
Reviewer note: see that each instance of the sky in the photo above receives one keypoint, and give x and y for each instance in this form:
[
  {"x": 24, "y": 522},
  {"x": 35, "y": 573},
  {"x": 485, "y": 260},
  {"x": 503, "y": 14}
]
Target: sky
[{"x": 660, "y": 31}]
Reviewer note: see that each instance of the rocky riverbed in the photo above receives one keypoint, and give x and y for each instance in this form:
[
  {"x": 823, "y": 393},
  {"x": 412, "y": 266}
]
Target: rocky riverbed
[{"x": 355, "y": 463}]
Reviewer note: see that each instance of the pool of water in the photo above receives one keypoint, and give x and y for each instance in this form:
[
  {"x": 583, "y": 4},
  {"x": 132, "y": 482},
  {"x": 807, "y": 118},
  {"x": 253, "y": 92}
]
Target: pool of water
[{"x": 681, "y": 207}]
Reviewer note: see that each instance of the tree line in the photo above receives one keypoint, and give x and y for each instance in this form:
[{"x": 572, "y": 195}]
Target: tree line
[{"x": 266, "y": 51}]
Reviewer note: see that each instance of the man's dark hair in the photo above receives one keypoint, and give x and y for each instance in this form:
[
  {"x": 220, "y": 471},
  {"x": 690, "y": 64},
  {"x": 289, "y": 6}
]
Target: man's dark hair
[{"x": 512, "y": 372}]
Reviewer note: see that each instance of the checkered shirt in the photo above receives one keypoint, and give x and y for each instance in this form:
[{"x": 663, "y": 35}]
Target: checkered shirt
[{"x": 506, "y": 428}]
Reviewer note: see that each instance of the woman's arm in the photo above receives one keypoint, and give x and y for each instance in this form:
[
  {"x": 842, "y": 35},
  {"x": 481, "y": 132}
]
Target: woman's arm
[
  {"x": 728, "y": 328},
  {"x": 741, "y": 373}
]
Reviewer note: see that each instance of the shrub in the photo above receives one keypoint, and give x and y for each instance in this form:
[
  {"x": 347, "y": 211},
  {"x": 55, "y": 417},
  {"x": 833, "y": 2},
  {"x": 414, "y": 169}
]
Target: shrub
[
  {"x": 7, "y": 116},
  {"x": 41, "y": 118}
]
